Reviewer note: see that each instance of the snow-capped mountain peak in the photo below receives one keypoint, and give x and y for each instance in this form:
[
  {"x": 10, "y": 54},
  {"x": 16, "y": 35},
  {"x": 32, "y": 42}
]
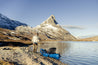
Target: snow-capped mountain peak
[
  {"x": 53, "y": 30},
  {"x": 51, "y": 20},
  {"x": 7, "y": 23}
]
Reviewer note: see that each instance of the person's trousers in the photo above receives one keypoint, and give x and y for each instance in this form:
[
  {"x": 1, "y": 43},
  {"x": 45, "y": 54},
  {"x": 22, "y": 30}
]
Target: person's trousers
[{"x": 35, "y": 47}]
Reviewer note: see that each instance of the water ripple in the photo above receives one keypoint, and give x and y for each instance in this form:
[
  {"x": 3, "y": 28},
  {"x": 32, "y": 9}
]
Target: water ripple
[{"x": 81, "y": 54}]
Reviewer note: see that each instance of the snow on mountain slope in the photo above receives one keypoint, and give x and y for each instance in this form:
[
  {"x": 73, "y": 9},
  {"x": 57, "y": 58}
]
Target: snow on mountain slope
[
  {"x": 7, "y": 23},
  {"x": 53, "y": 30}
]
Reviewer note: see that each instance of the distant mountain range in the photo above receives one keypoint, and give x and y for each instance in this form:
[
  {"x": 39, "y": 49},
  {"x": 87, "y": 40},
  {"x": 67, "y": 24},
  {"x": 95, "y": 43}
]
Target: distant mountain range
[
  {"x": 7, "y": 23},
  {"x": 48, "y": 30},
  {"x": 94, "y": 38}
]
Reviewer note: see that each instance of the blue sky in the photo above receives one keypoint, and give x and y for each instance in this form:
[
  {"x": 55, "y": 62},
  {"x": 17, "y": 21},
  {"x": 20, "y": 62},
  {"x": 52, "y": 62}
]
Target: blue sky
[{"x": 72, "y": 14}]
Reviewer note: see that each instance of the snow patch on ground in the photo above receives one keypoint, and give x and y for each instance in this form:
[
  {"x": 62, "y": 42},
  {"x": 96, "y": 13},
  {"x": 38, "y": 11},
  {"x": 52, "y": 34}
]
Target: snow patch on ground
[
  {"x": 50, "y": 27},
  {"x": 38, "y": 26}
]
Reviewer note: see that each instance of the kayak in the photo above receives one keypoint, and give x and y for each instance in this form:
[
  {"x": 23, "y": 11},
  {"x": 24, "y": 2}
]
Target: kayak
[{"x": 52, "y": 55}]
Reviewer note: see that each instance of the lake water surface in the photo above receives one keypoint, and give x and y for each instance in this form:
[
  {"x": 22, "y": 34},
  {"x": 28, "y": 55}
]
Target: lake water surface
[{"x": 75, "y": 53}]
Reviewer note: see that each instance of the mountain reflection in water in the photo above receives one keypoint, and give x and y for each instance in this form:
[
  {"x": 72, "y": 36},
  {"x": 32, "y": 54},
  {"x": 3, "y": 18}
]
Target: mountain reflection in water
[
  {"x": 60, "y": 47},
  {"x": 75, "y": 53}
]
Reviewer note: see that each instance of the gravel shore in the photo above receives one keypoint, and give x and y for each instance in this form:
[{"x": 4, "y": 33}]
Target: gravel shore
[{"x": 24, "y": 56}]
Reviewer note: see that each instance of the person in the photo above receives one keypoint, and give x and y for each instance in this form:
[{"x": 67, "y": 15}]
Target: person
[{"x": 35, "y": 40}]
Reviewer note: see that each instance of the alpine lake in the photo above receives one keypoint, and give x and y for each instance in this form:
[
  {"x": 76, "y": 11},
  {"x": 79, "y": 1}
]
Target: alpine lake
[{"x": 74, "y": 53}]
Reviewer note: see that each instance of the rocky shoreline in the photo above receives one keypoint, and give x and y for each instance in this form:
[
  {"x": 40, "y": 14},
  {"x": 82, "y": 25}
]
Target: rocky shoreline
[{"x": 25, "y": 56}]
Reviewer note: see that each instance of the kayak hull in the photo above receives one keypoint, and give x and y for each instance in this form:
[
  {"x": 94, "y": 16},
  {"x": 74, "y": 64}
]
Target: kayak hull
[{"x": 44, "y": 53}]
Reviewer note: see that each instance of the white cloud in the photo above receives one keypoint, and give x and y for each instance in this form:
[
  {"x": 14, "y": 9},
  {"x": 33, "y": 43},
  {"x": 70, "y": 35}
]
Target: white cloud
[{"x": 72, "y": 27}]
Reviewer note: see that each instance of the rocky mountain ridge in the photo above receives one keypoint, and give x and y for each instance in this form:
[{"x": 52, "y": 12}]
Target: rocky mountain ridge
[
  {"x": 48, "y": 30},
  {"x": 7, "y": 23},
  {"x": 13, "y": 38},
  {"x": 53, "y": 30}
]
